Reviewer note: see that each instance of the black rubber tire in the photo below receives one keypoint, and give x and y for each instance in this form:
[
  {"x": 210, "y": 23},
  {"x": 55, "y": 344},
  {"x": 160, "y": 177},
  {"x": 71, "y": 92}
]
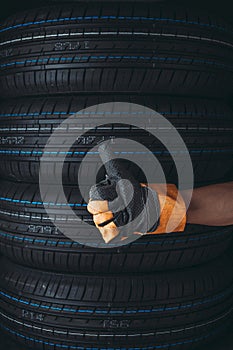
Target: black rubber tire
[
  {"x": 28, "y": 237},
  {"x": 180, "y": 51},
  {"x": 51, "y": 311},
  {"x": 26, "y": 124}
]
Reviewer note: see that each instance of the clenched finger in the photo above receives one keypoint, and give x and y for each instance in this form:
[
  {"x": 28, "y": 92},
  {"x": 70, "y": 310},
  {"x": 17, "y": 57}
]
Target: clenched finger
[{"x": 97, "y": 207}]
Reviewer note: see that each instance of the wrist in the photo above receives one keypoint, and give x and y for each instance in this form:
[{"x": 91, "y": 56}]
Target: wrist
[{"x": 172, "y": 215}]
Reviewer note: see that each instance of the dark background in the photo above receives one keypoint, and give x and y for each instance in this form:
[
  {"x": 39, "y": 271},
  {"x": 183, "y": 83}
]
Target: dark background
[{"x": 224, "y": 8}]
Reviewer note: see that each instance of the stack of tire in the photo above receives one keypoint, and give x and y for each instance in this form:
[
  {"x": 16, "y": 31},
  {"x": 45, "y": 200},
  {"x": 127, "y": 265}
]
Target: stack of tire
[{"x": 159, "y": 292}]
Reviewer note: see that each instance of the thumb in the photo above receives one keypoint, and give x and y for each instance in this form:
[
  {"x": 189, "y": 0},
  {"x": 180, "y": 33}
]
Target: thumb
[{"x": 112, "y": 165}]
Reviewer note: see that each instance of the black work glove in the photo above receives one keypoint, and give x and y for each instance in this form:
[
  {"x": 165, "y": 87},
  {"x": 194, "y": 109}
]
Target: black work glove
[{"x": 120, "y": 205}]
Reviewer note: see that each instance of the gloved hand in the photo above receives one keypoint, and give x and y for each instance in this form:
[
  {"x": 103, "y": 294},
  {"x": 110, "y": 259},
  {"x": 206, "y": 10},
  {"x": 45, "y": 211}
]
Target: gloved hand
[{"x": 120, "y": 205}]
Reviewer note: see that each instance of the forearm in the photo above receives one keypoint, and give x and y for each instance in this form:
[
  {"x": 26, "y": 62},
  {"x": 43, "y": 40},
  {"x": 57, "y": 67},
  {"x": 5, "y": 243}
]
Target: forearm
[{"x": 210, "y": 205}]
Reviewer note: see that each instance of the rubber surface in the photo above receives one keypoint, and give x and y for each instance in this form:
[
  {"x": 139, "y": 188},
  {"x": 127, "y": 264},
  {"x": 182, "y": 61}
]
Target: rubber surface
[
  {"x": 29, "y": 237},
  {"x": 180, "y": 310},
  {"x": 26, "y": 125},
  {"x": 101, "y": 47}
]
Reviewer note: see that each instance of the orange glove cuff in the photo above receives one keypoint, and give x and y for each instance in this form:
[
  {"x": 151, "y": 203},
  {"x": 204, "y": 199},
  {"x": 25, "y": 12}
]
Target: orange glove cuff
[{"x": 173, "y": 209}]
